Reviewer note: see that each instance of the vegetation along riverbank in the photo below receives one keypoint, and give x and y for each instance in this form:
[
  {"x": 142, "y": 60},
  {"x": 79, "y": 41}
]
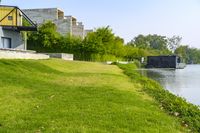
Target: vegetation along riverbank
[
  {"x": 188, "y": 114},
  {"x": 60, "y": 96}
]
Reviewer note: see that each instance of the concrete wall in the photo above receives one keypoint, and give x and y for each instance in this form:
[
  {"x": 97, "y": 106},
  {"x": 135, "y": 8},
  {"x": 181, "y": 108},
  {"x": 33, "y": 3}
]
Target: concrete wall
[
  {"x": 78, "y": 30},
  {"x": 16, "y": 54},
  {"x": 41, "y": 15},
  {"x": 63, "y": 56},
  {"x": 63, "y": 26},
  {"x": 16, "y": 38}
]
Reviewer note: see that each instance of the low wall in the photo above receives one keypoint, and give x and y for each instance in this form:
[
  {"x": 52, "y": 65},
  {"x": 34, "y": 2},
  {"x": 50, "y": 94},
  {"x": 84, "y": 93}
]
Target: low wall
[
  {"x": 21, "y": 54},
  {"x": 63, "y": 56}
]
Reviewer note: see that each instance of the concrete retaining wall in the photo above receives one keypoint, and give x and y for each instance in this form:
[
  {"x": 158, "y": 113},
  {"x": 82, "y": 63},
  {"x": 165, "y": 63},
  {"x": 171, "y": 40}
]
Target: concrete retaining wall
[
  {"x": 21, "y": 54},
  {"x": 63, "y": 56}
]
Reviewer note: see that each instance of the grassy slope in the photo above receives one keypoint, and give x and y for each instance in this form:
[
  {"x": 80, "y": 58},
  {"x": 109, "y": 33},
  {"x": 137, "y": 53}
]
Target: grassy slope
[{"x": 59, "y": 96}]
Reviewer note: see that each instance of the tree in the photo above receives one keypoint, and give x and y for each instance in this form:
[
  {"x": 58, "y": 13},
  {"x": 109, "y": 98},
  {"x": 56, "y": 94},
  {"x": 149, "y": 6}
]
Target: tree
[
  {"x": 157, "y": 42},
  {"x": 149, "y": 42},
  {"x": 174, "y": 42},
  {"x": 183, "y": 52},
  {"x": 189, "y": 55},
  {"x": 140, "y": 41},
  {"x": 103, "y": 42},
  {"x": 46, "y": 39}
]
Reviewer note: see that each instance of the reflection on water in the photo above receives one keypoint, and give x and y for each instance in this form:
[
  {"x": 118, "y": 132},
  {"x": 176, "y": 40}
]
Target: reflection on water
[{"x": 181, "y": 82}]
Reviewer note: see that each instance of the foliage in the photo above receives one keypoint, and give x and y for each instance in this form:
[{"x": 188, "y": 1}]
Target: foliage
[
  {"x": 45, "y": 40},
  {"x": 188, "y": 54},
  {"x": 25, "y": 22},
  {"x": 101, "y": 44},
  {"x": 174, "y": 42},
  {"x": 188, "y": 114},
  {"x": 150, "y": 42}
]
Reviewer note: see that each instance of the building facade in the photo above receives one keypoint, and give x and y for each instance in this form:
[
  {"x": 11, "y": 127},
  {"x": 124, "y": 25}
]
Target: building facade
[
  {"x": 11, "y": 25},
  {"x": 10, "y": 16},
  {"x": 65, "y": 24},
  {"x": 11, "y": 39}
]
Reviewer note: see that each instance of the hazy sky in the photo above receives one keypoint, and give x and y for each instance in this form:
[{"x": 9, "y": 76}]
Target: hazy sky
[{"x": 128, "y": 18}]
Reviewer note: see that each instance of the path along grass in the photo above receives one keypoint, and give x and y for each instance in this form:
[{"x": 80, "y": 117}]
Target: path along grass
[{"x": 60, "y": 96}]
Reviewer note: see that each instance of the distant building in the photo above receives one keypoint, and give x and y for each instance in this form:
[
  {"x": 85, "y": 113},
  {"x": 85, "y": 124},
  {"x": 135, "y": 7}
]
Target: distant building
[
  {"x": 77, "y": 28},
  {"x": 65, "y": 24},
  {"x": 164, "y": 62},
  {"x": 11, "y": 25},
  {"x": 87, "y": 31}
]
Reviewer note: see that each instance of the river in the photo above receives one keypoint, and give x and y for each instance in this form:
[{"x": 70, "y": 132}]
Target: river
[{"x": 182, "y": 82}]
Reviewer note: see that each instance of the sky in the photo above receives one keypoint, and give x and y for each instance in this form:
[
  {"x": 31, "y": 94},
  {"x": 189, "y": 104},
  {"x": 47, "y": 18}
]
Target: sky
[{"x": 129, "y": 18}]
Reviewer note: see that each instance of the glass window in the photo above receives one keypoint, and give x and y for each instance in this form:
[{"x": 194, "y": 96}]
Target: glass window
[{"x": 10, "y": 17}]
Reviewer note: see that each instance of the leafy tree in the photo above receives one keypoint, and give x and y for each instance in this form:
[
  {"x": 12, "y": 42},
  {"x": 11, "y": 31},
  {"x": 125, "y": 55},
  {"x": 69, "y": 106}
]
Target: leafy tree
[
  {"x": 103, "y": 42},
  {"x": 174, "y": 42},
  {"x": 189, "y": 55},
  {"x": 150, "y": 42},
  {"x": 46, "y": 39},
  {"x": 140, "y": 41},
  {"x": 157, "y": 42}
]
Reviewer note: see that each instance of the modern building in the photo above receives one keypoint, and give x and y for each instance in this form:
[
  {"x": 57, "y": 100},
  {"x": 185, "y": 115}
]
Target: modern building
[
  {"x": 11, "y": 27},
  {"x": 165, "y": 62},
  {"x": 65, "y": 24}
]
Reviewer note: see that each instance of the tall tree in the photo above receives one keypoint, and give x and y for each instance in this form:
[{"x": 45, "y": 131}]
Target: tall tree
[
  {"x": 183, "y": 52},
  {"x": 174, "y": 42},
  {"x": 140, "y": 41},
  {"x": 150, "y": 42}
]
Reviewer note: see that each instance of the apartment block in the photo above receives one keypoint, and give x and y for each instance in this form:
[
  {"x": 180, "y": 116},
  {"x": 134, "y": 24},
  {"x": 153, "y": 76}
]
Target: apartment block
[{"x": 65, "y": 24}]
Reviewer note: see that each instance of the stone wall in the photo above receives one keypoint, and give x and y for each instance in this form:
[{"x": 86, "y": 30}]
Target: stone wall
[{"x": 16, "y": 38}]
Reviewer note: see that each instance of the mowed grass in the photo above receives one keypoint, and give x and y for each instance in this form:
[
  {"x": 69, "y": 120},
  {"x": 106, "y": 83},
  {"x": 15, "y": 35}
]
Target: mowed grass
[{"x": 56, "y": 96}]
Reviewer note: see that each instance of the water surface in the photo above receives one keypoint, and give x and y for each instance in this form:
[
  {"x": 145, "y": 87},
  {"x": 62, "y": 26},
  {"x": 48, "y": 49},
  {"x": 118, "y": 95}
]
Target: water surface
[{"x": 181, "y": 82}]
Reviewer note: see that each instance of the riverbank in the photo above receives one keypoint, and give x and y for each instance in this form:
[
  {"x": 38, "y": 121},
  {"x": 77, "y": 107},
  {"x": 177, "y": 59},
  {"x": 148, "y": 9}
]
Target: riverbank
[
  {"x": 188, "y": 114},
  {"x": 63, "y": 96}
]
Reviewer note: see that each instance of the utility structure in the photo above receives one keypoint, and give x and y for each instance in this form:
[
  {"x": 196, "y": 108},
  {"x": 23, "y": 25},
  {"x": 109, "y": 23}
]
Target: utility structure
[{"x": 12, "y": 22}]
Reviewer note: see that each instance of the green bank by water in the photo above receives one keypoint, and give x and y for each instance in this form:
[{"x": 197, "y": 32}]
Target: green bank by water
[
  {"x": 187, "y": 113},
  {"x": 51, "y": 96}
]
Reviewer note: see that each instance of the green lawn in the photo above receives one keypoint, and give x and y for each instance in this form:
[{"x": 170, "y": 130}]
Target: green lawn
[{"x": 56, "y": 96}]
